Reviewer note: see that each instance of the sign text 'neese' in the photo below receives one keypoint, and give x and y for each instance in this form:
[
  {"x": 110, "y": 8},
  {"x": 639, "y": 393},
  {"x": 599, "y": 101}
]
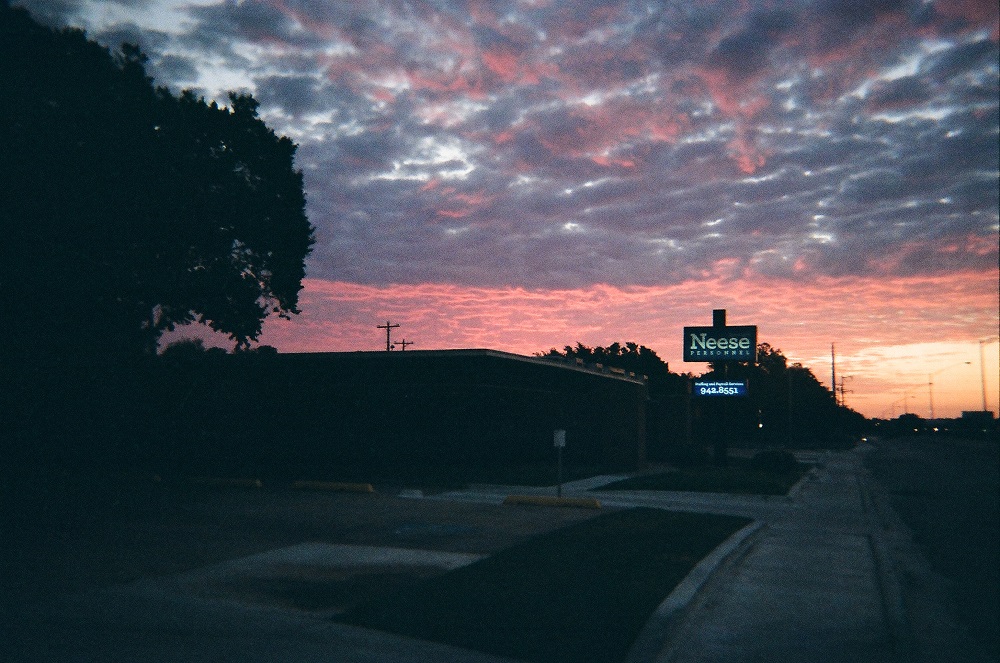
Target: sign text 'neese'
[{"x": 720, "y": 343}]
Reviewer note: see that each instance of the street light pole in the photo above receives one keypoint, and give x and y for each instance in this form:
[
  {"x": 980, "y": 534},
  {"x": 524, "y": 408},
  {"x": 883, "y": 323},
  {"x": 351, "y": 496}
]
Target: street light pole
[
  {"x": 982, "y": 366},
  {"x": 982, "y": 371},
  {"x": 930, "y": 383}
]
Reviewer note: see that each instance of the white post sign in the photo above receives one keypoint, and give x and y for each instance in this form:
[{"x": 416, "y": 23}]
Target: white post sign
[{"x": 559, "y": 441}]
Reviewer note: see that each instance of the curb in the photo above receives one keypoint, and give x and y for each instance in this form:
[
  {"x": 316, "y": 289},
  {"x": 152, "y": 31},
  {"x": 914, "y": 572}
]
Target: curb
[
  {"x": 545, "y": 500},
  {"x": 890, "y": 589},
  {"x": 667, "y": 616},
  {"x": 808, "y": 477},
  {"x": 221, "y": 482},
  {"x": 335, "y": 486}
]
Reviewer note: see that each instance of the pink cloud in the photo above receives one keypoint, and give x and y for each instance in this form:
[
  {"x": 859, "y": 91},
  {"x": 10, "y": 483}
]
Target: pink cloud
[
  {"x": 976, "y": 12},
  {"x": 502, "y": 63},
  {"x": 736, "y": 98}
]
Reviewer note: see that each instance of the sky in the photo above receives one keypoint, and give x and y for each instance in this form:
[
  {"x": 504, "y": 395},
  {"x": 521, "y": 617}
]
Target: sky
[{"x": 528, "y": 174}]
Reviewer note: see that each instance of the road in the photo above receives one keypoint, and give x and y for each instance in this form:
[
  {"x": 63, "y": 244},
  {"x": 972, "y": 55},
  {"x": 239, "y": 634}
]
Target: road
[{"x": 947, "y": 491}]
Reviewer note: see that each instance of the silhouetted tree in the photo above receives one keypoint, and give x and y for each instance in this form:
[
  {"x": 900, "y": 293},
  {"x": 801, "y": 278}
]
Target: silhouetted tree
[
  {"x": 260, "y": 351},
  {"x": 188, "y": 349},
  {"x": 630, "y": 357},
  {"x": 787, "y": 406},
  {"x": 128, "y": 210}
]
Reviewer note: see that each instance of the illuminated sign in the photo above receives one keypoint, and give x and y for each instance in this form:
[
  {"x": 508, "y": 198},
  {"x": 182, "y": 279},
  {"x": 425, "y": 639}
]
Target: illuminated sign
[
  {"x": 712, "y": 388},
  {"x": 720, "y": 343}
]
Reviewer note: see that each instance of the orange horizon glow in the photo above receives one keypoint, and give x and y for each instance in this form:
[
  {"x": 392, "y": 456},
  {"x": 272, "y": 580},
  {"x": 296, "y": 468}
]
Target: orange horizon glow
[{"x": 892, "y": 336}]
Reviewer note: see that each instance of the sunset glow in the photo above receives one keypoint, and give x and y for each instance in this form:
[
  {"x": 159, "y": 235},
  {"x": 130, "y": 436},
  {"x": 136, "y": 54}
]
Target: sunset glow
[
  {"x": 526, "y": 175},
  {"x": 885, "y": 369}
]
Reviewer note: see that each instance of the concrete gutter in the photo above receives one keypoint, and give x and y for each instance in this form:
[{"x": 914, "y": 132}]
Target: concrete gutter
[
  {"x": 335, "y": 486},
  {"x": 226, "y": 482},
  {"x": 665, "y": 619}
]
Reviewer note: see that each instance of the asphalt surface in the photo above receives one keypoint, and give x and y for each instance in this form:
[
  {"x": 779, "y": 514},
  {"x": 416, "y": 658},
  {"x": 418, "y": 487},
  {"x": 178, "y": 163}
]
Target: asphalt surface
[
  {"x": 947, "y": 492},
  {"x": 214, "y": 574},
  {"x": 829, "y": 573}
]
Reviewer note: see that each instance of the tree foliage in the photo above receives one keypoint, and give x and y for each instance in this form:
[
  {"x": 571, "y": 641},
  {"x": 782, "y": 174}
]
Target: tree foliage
[
  {"x": 189, "y": 349},
  {"x": 787, "y": 405},
  {"x": 128, "y": 210},
  {"x": 629, "y": 356}
]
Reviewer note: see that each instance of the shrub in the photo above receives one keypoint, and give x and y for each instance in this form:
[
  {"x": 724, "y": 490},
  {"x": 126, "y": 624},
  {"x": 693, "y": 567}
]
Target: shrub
[{"x": 775, "y": 461}]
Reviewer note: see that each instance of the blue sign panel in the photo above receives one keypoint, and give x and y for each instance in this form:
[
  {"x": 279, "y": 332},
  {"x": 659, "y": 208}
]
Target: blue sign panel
[{"x": 711, "y": 388}]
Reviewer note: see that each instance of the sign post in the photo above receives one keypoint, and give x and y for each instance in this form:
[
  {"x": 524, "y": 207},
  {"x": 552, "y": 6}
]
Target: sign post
[
  {"x": 725, "y": 345},
  {"x": 559, "y": 442}
]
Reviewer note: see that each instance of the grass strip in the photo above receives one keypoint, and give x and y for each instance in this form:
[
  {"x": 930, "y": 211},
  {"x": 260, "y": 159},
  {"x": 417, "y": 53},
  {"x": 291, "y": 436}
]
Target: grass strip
[
  {"x": 580, "y": 594},
  {"x": 737, "y": 477}
]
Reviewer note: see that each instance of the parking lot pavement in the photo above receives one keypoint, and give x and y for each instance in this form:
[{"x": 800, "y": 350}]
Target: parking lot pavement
[
  {"x": 816, "y": 579},
  {"x": 128, "y": 624},
  {"x": 240, "y": 575}
]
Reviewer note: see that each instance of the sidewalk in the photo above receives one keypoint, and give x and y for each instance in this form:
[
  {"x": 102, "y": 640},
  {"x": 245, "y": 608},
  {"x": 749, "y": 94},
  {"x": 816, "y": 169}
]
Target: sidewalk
[
  {"x": 812, "y": 585},
  {"x": 820, "y": 581},
  {"x": 818, "y": 577},
  {"x": 809, "y": 582}
]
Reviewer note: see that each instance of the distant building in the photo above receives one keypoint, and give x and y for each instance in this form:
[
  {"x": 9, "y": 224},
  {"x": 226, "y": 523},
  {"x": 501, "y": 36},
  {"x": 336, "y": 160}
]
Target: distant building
[{"x": 977, "y": 416}]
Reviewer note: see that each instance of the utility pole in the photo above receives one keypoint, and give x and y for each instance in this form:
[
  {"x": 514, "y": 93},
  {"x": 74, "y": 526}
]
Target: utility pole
[
  {"x": 843, "y": 390},
  {"x": 789, "y": 374},
  {"x": 930, "y": 393},
  {"x": 402, "y": 344},
  {"x": 388, "y": 331},
  {"x": 833, "y": 371}
]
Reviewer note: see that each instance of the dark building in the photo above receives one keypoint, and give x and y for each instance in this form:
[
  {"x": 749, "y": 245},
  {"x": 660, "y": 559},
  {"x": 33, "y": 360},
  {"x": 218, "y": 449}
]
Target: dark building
[{"x": 314, "y": 413}]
